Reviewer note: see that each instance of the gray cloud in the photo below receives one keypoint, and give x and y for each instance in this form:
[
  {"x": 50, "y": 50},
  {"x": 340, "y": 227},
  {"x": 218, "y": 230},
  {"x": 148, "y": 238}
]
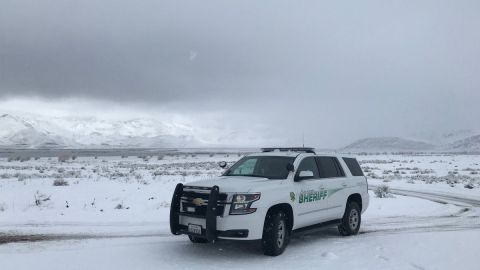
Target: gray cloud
[{"x": 350, "y": 69}]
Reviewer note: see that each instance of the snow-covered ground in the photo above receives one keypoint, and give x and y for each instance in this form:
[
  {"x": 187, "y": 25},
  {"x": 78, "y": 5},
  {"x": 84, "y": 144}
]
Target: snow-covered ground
[
  {"x": 444, "y": 174},
  {"x": 113, "y": 214}
]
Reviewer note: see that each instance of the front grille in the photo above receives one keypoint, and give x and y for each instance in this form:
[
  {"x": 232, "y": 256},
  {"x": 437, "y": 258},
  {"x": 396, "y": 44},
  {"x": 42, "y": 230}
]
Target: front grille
[
  {"x": 193, "y": 194},
  {"x": 187, "y": 205}
]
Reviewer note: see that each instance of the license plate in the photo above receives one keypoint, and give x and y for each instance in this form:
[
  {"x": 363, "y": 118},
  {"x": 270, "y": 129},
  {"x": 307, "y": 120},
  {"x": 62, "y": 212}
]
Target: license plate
[{"x": 196, "y": 229}]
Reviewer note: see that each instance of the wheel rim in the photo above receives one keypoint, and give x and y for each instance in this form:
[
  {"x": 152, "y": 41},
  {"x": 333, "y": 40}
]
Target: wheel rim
[
  {"x": 353, "y": 219},
  {"x": 281, "y": 234}
]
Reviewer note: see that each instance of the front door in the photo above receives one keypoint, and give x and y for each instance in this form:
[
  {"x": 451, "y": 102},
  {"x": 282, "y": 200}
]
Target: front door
[{"x": 311, "y": 194}]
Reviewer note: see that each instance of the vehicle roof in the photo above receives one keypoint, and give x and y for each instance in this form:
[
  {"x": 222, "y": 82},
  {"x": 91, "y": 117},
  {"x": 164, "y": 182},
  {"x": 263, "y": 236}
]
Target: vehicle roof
[{"x": 277, "y": 154}]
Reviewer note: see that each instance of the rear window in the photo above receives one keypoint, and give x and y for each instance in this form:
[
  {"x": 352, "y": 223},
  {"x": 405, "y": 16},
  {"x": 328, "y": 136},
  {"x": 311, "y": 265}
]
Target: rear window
[
  {"x": 353, "y": 166},
  {"x": 329, "y": 167}
]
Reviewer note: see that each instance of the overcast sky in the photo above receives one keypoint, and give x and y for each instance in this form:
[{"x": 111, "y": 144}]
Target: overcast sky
[{"x": 334, "y": 70}]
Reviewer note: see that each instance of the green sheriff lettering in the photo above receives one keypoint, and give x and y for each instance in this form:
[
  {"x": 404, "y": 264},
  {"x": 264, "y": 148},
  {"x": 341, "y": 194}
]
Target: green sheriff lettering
[{"x": 313, "y": 195}]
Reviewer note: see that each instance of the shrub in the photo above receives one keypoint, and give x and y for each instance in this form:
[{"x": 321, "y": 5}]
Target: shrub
[
  {"x": 121, "y": 206},
  {"x": 63, "y": 158},
  {"x": 13, "y": 158},
  {"x": 60, "y": 182},
  {"x": 40, "y": 198},
  {"x": 23, "y": 159},
  {"x": 372, "y": 175},
  {"x": 143, "y": 181},
  {"x": 469, "y": 186},
  {"x": 382, "y": 191}
]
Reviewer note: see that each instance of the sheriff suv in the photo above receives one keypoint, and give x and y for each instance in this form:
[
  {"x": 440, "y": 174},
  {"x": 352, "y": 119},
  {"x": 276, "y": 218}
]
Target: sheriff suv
[{"x": 266, "y": 196}]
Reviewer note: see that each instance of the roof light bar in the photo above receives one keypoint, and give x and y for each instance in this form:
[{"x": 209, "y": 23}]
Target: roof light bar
[{"x": 289, "y": 149}]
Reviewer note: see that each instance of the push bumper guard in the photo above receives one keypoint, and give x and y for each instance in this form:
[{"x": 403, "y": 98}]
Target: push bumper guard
[{"x": 210, "y": 231}]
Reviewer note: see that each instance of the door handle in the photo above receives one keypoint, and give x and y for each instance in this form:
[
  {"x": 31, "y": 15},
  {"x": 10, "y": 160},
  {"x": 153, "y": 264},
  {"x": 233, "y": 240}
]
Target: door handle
[{"x": 344, "y": 185}]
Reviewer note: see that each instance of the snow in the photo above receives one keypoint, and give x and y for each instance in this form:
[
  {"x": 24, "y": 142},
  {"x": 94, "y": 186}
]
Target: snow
[
  {"x": 439, "y": 173},
  {"x": 31, "y": 131},
  {"x": 406, "y": 206},
  {"x": 397, "y": 233},
  {"x": 321, "y": 250}
]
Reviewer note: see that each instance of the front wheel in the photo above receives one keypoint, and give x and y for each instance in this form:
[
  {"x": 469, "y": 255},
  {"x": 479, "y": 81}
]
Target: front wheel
[
  {"x": 351, "y": 220},
  {"x": 276, "y": 234}
]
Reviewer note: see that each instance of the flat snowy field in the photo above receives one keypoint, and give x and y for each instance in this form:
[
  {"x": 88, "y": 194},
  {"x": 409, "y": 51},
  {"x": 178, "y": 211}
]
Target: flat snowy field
[{"x": 112, "y": 213}]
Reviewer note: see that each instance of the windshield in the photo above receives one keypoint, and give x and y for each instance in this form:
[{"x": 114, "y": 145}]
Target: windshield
[{"x": 270, "y": 167}]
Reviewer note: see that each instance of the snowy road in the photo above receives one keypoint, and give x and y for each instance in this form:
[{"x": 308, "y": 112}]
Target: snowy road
[
  {"x": 466, "y": 218},
  {"x": 456, "y": 199},
  {"x": 439, "y": 236}
]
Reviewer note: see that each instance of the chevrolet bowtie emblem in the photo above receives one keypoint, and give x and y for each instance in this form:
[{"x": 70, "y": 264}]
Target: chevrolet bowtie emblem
[{"x": 198, "y": 201}]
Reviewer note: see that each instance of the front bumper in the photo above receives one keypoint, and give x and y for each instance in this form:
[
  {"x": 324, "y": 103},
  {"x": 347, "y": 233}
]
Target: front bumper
[{"x": 214, "y": 224}]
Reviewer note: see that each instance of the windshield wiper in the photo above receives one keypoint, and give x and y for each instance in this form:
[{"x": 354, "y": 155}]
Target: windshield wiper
[
  {"x": 255, "y": 175},
  {"x": 248, "y": 175}
]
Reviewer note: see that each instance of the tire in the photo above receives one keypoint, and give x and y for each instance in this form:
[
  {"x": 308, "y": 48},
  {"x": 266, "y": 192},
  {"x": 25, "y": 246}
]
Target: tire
[
  {"x": 351, "y": 220},
  {"x": 197, "y": 240},
  {"x": 276, "y": 234}
]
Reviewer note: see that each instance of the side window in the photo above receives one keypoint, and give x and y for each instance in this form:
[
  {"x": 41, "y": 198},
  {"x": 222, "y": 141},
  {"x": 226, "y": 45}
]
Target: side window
[
  {"x": 308, "y": 164},
  {"x": 247, "y": 167},
  {"x": 353, "y": 166},
  {"x": 329, "y": 167}
]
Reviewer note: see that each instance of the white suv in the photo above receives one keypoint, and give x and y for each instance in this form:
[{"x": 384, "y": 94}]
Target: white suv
[{"x": 270, "y": 194}]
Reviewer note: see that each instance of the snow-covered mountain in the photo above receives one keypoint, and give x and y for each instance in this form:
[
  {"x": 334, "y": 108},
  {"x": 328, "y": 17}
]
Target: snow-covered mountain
[
  {"x": 444, "y": 138},
  {"x": 89, "y": 132},
  {"x": 36, "y": 131},
  {"x": 395, "y": 144},
  {"x": 468, "y": 144},
  {"x": 19, "y": 132},
  {"x": 388, "y": 144}
]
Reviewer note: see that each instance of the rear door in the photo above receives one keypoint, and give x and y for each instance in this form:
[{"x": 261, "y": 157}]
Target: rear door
[
  {"x": 334, "y": 180},
  {"x": 357, "y": 182}
]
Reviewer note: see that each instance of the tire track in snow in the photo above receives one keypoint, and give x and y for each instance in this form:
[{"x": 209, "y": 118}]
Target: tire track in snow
[
  {"x": 467, "y": 218},
  {"x": 6, "y": 238}
]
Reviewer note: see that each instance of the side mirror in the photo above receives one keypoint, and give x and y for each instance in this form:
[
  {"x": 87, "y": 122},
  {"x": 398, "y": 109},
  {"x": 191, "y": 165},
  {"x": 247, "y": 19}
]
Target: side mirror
[
  {"x": 290, "y": 167},
  {"x": 222, "y": 164},
  {"x": 304, "y": 175}
]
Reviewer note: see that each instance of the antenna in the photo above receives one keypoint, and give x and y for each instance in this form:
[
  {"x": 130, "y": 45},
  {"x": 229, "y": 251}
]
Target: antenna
[{"x": 303, "y": 139}]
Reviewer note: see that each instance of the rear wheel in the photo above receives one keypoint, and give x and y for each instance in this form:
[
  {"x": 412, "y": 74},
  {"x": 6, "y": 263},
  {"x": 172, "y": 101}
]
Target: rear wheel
[
  {"x": 195, "y": 239},
  {"x": 276, "y": 234},
  {"x": 351, "y": 220}
]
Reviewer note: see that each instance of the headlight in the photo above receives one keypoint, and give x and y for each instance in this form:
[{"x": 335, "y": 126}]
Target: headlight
[{"x": 242, "y": 203}]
